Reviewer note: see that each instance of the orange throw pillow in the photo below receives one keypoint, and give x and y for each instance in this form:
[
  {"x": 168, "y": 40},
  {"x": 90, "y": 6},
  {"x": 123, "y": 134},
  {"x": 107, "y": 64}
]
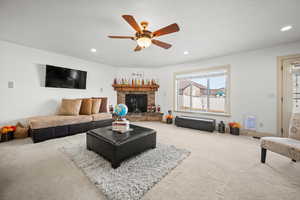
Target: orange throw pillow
[
  {"x": 96, "y": 105},
  {"x": 86, "y": 107}
]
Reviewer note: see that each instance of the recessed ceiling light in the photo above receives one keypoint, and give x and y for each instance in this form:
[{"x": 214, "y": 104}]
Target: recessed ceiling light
[
  {"x": 185, "y": 52},
  {"x": 93, "y": 50},
  {"x": 286, "y": 28}
]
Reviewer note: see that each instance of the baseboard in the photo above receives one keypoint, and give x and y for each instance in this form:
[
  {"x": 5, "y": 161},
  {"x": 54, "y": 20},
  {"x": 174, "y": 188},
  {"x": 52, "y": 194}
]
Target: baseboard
[{"x": 256, "y": 134}]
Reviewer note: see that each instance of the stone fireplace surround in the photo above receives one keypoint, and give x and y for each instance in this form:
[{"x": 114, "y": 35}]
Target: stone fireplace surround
[
  {"x": 121, "y": 97},
  {"x": 149, "y": 91}
]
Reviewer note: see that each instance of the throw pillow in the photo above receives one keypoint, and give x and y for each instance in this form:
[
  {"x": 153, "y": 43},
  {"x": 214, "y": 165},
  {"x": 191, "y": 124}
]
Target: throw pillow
[
  {"x": 21, "y": 132},
  {"x": 103, "y": 107},
  {"x": 96, "y": 105},
  {"x": 70, "y": 106},
  {"x": 86, "y": 107}
]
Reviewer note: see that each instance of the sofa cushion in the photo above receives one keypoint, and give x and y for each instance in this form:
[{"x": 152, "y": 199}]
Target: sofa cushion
[
  {"x": 284, "y": 146},
  {"x": 70, "y": 107},
  {"x": 86, "y": 107},
  {"x": 295, "y": 127},
  {"x": 57, "y": 120},
  {"x": 96, "y": 103},
  {"x": 101, "y": 116}
]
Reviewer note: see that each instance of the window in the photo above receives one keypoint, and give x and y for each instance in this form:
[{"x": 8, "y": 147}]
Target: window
[{"x": 205, "y": 91}]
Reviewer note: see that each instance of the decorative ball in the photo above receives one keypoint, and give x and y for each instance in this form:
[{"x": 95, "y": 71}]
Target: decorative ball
[{"x": 121, "y": 110}]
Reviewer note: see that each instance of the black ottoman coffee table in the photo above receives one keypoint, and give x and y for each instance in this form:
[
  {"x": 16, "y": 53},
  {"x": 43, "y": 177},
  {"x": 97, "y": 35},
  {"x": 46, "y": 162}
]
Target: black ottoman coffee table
[{"x": 116, "y": 147}]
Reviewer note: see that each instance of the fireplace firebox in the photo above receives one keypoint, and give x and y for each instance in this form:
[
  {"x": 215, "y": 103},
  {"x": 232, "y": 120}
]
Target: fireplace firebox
[{"x": 136, "y": 103}]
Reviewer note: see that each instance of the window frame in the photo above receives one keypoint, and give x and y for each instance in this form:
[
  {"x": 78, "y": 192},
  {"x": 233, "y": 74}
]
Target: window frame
[{"x": 227, "y": 112}]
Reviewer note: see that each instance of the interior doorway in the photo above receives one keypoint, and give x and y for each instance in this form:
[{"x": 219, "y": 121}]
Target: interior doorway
[{"x": 289, "y": 93}]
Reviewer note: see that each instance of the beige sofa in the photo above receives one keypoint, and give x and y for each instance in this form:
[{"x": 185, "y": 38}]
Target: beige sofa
[
  {"x": 62, "y": 120},
  {"x": 289, "y": 147},
  {"x": 53, "y": 126}
]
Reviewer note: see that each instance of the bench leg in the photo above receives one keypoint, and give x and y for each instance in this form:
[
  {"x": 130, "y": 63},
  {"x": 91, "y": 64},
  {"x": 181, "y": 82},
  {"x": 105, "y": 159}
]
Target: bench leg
[
  {"x": 263, "y": 155},
  {"x": 294, "y": 160}
]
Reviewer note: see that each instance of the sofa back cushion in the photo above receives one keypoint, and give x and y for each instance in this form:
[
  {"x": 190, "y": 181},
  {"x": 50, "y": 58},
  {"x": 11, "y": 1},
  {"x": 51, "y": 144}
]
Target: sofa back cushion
[
  {"x": 294, "y": 132},
  {"x": 103, "y": 107},
  {"x": 96, "y": 105},
  {"x": 86, "y": 106},
  {"x": 70, "y": 107}
]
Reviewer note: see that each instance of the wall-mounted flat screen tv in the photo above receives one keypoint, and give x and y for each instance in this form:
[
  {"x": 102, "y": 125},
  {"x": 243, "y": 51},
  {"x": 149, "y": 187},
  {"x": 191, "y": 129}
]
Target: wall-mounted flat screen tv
[{"x": 59, "y": 77}]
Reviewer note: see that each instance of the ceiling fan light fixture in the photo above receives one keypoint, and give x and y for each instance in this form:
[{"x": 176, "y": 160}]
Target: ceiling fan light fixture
[
  {"x": 286, "y": 28},
  {"x": 93, "y": 50},
  {"x": 144, "y": 42}
]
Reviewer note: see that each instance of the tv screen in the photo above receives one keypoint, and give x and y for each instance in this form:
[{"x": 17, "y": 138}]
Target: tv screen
[{"x": 59, "y": 77}]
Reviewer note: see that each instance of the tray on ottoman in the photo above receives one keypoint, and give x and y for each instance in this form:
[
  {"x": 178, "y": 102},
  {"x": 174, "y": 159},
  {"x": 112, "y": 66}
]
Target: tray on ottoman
[{"x": 116, "y": 147}]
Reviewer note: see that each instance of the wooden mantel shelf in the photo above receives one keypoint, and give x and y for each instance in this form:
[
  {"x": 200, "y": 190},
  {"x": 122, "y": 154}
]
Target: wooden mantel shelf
[{"x": 136, "y": 88}]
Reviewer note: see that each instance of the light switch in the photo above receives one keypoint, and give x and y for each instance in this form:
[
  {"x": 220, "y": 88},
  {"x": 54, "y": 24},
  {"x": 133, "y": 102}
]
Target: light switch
[
  {"x": 11, "y": 84},
  {"x": 101, "y": 89}
]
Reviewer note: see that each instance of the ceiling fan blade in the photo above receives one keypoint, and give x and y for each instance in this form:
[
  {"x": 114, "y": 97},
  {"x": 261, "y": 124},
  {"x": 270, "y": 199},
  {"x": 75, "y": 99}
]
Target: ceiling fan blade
[
  {"x": 121, "y": 37},
  {"x": 161, "y": 44},
  {"x": 138, "y": 48},
  {"x": 131, "y": 21},
  {"x": 166, "y": 30}
]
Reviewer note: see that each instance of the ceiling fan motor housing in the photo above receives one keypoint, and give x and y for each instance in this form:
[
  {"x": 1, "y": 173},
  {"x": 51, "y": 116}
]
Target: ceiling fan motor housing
[
  {"x": 144, "y": 24},
  {"x": 144, "y": 33}
]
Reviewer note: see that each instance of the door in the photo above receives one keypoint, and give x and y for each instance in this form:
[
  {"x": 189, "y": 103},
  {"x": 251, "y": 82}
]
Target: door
[{"x": 290, "y": 92}]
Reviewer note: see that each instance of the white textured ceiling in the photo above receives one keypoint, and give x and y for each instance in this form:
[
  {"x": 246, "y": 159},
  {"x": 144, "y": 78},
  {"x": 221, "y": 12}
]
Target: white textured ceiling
[{"x": 208, "y": 27}]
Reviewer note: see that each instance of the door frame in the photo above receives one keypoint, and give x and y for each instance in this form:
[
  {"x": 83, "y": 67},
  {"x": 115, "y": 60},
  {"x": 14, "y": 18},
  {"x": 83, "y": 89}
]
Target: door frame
[{"x": 280, "y": 61}]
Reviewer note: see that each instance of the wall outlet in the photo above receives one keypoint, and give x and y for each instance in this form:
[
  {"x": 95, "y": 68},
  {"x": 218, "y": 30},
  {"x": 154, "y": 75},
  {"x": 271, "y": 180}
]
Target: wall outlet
[
  {"x": 11, "y": 84},
  {"x": 101, "y": 89}
]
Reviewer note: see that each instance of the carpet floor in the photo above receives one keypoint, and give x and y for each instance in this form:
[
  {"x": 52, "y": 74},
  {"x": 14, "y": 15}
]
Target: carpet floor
[{"x": 220, "y": 166}]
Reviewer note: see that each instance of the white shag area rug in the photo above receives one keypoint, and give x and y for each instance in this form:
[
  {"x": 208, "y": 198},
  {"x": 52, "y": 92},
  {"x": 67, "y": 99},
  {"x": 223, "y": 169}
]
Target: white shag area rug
[{"x": 134, "y": 177}]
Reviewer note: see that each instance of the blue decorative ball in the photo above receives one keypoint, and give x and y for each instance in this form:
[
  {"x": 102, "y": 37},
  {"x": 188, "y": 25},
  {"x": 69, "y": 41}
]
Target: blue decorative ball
[{"x": 121, "y": 110}]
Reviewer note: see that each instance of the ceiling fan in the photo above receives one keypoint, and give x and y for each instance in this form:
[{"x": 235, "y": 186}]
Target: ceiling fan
[{"x": 144, "y": 37}]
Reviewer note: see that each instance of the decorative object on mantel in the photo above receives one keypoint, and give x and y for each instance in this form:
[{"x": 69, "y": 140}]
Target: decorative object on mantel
[
  {"x": 134, "y": 84},
  {"x": 169, "y": 117},
  {"x": 234, "y": 128},
  {"x": 121, "y": 125}
]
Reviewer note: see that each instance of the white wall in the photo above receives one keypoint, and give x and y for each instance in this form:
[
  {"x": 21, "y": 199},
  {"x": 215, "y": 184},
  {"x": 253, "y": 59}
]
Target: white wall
[
  {"x": 148, "y": 74},
  {"x": 26, "y": 67},
  {"x": 253, "y": 83},
  {"x": 127, "y": 73}
]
